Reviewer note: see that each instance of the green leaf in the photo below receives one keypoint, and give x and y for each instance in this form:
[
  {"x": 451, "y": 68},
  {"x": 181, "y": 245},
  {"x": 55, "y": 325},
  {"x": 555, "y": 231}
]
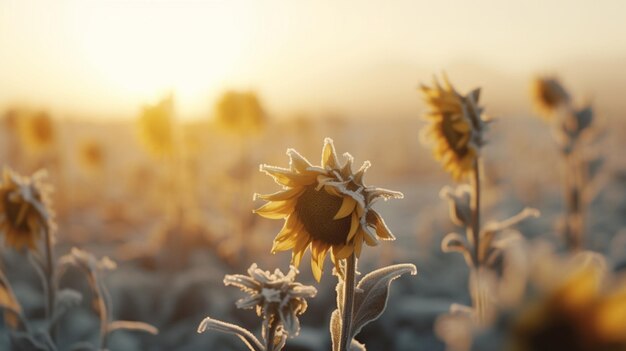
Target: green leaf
[{"x": 372, "y": 293}]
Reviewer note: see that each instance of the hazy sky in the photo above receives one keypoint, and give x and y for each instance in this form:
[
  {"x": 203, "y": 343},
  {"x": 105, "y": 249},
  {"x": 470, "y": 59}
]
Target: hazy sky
[{"x": 109, "y": 57}]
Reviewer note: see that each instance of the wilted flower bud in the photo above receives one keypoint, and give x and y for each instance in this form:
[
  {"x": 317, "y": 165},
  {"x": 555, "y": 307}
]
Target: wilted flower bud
[{"x": 273, "y": 295}]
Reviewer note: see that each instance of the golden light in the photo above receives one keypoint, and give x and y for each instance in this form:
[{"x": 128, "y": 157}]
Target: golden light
[{"x": 144, "y": 51}]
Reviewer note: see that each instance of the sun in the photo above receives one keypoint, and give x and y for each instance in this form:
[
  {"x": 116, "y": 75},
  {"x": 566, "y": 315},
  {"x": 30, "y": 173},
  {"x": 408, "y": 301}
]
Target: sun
[{"x": 144, "y": 51}]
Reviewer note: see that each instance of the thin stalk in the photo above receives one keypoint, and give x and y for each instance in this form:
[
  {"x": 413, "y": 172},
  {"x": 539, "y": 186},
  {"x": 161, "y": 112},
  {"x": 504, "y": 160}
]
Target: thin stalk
[
  {"x": 573, "y": 228},
  {"x": 103, "y": 309},
  {"x": 49, "y": 279},
  {"x": 475, "y": 207},
  {"x": 348, "y": 303},
  {"x": 479, "y": 298},
  {"x": 269, "y": 338}
]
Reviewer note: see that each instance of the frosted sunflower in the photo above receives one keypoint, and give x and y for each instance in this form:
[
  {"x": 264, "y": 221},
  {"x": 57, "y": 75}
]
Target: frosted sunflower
[
  {"x": 455, "y": 127},
  {"x": 549, "y": 95},
  {"x": 24, "y": 211},
  {"x": 274, "y": 295},
  {"x": 156, "y": 127},
  {"x": 326, "y": 208}
]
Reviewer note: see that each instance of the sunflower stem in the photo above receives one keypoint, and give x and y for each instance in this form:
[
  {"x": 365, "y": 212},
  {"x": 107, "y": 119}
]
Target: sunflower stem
[
  {"x": 475, "y": 207},
  {"x": 478, "y": 298},
  {"x": 49, "y": 280},
  {"x": 348, "y": 303},
  {"x": 271, "y": 332},
  {"x": 573, "y": 189}
]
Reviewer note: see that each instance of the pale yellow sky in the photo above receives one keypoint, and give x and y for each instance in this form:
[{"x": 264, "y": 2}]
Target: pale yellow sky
[{"x": 106, "y": 58}]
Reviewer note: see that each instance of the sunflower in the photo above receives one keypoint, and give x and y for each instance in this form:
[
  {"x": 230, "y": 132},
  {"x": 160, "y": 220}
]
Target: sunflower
[
  {"x": 37, "y": 131},
  {"x": 24, "y": 211},
  {"x": 578, "y": 315},
  {"x": 326, "y": 208},
  {"x": 156, "y": 127},
  {"x": 455, "y": 127},
  {"x": 241, "y": 112},
  {"x": 549, "y": 95}
]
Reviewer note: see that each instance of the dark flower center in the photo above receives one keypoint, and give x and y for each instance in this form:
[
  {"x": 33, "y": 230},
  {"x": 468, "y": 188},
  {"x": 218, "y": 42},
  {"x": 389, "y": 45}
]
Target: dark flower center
[
  {"x": 453, "y": 136},
  {"x": 13, "y": 210},
  {"x": 316, "y": 210}
]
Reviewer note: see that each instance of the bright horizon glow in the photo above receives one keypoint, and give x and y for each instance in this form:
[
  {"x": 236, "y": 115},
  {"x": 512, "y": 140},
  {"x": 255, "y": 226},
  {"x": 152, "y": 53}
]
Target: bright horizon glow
[{"x": 107, "y": 58}]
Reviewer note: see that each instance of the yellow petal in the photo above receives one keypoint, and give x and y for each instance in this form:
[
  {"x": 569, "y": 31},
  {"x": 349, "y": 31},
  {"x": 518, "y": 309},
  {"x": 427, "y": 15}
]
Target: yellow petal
[
  {"x": 358, "y": 243},
  {"x": 282, "y": 195},
  {"x": 329, "y": 156},
  {"x": 289, "y": 178},
  {"x": 276, "y": 209},
  {"x": 354, "y": 226},
  {"x": 347, "y": 207},
  {"x": 297, "y": 161},
  {"x": 291, "y": 226},
  {"x": 287, "y": 243},
  {"x": 318, "y": 254},
  {"x": 303, "y": 241},
  {"x": 343, "y": 251}
]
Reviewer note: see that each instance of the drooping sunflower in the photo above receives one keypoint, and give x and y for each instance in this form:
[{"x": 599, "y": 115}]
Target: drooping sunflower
[
  {"x": 24, "y": 210},
  {"x": 326, "y": 208},
  {"x": 273, "y": 295},
  {"x": 455, "y": 127},
  {"x": 548, "y": 95}
]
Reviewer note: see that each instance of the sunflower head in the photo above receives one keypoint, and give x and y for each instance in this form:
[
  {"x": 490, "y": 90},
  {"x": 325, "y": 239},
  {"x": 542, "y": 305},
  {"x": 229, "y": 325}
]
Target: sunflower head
[
  {"x": 156, "y": 127},
  {"x": 548, "y": 95},
  {"x": 37, "y": 131},
  {"x": 274, "y": 295},
  {"x": 240, "y": 112},
  {"x": 326, "y": 208},
  {"x": 455, "y": 127},
  {"x": 24, "y": 210},
  {"x": 577, "y": 315}
]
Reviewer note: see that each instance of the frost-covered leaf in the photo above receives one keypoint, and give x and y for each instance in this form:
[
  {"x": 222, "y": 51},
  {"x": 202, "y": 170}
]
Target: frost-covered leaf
[
  {"x": 134, "y": 326},
  {"x": 372, "y": 292},
  {"x": 335, "y": 329},
  {"x": 459, "y": 200},
  {"x": 246, "y": 336},
  {"x": 497, "y": 236},
  {"x": 357, "y": 346},
  {"x": 454, "y": 242}
]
